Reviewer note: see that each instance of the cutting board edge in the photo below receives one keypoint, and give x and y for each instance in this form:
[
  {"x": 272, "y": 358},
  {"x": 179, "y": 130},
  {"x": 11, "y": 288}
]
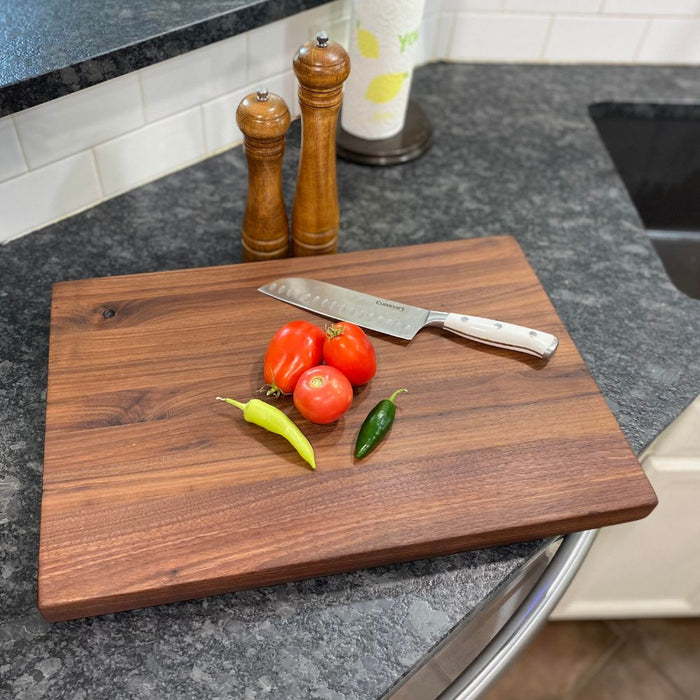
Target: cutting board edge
[{"x": 62, "y": 609}]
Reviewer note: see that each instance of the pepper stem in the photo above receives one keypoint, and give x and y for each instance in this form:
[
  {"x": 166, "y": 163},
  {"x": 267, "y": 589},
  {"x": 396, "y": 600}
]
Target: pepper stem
[
  {"x": 233, "y": 402},
  {"x": 396, "y": 393}
]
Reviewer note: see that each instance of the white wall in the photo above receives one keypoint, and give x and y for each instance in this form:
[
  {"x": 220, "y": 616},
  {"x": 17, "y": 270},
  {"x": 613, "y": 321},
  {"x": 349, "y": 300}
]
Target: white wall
[{"x": 74, "y": 152}]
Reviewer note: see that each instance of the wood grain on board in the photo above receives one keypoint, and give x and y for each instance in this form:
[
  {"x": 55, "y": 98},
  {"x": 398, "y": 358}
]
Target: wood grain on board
[{"x": 155, "y": 492}]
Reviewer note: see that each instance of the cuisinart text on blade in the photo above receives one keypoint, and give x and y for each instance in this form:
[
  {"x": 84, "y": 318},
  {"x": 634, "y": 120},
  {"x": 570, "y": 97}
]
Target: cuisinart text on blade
[{"x": 402, "y": 320}]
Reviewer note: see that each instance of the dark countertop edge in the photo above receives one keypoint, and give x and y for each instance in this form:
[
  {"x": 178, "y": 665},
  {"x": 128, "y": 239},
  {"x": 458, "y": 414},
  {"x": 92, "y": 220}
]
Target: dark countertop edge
[{"x": 59, "y": 82}]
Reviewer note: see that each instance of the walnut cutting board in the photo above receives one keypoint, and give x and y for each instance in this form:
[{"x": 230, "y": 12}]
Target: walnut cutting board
[{"x": 155, "y": 492}]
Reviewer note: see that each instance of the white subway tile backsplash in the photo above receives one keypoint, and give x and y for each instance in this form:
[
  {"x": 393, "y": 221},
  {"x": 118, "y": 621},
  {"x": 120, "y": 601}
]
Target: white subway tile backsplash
[
  {"x": 652, "y": 7},
  {"x": 488, "y": 37},
  {"x": 78, "y": 121},
  {"x": 552, "y": 5},
  {"x": 321, "y": 18},
  {"x": 41, "y": 196},
  {"x": 431, "y": 8},
  {"x": 443, "y": 36},
  {"x": 287, "y": 87},
  {"x": 470, "y": 5},
  {"x": 340, "y": 32},
  {"x": 583, "y": 39},
  {"x": 178, "y": 83},
  {"x": 672, "y": 41},
  {"x": 271, "y": 48},
  {"x": 60, "y": 157},
  {"x": 11, "y": 158},
  {"x": 333, "y": 11},
  {"x": 220, "y": 128},
  {"x": 153, "y": 150},
  {"x": 425, "y": 49}
]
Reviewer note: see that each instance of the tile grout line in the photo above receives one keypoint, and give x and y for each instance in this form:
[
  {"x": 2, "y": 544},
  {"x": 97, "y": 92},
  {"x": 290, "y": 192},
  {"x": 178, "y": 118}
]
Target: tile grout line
[
  {"x": 139, "y": 80},
  {"x": 21, "y": 145},
  {"x": 642, "y": 41},
  {"x": 451, "y": 18},
  {"x": 669, "y": 680},
  {"x": 596, "y": 667},
  {"x": 659, "y": 669},
  {"x": 202, "y": 121},
  {"x": 547, "y": 37},
  {"x": 98, "y": 174}
]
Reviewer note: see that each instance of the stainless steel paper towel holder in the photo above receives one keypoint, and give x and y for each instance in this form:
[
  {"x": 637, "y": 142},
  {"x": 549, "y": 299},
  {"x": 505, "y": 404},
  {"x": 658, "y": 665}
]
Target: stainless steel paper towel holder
[{"x": 410, "y": 143}]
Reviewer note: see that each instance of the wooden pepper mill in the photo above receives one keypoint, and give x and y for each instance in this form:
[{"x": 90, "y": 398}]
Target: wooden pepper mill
[
  {"x": 321, "y": 68},
  {"x": 264, "y": 119}
]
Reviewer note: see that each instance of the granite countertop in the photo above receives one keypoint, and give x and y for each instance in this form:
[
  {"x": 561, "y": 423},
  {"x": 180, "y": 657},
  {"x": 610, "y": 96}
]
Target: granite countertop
[
  {"x": 52, "y": 48},
  {"x": 514, "y": 153}
]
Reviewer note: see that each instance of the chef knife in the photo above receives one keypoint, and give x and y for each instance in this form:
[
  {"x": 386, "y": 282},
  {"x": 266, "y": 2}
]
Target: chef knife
[{"x": 404, "y": 321}]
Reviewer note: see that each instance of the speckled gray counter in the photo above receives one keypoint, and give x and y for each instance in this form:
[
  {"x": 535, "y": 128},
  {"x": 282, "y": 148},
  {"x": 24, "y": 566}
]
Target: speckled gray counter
[
  {"x": 52, "y": 48},
  {"x": 515, "y": 153}
]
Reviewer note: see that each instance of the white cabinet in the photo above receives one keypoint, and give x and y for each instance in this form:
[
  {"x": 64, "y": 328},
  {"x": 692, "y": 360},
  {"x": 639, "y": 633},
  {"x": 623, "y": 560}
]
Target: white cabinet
[{"x": 650, "y": 567}]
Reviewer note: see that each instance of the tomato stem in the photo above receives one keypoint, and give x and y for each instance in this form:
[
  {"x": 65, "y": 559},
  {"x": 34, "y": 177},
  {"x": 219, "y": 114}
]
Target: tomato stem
[
  {"x": 334, "y": 331},
  {"x": 273, "y": 390}
]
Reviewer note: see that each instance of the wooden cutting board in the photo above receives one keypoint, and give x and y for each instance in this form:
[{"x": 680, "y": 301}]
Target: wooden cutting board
[{"x": 155, "y": 492}]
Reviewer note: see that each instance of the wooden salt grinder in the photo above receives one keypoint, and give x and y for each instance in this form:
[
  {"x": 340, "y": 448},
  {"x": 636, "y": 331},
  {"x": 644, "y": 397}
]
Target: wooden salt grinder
[
  {"x": 264, "y": 119},
  {"x": 321, "y": 68}
]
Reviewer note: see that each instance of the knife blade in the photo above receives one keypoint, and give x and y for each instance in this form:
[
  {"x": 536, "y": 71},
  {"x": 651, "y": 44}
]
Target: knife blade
[{"x": 402, "y": 320}]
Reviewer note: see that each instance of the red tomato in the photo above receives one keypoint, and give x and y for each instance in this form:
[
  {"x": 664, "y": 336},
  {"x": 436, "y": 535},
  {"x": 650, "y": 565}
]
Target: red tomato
[
  {"x": 348, "y": 349},
  {"x": 296, "y": 347},
  {"x": 322, "y": 394}
]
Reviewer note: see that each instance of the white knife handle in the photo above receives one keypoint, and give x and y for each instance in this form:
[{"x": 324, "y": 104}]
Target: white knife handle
[{"x": 502, "y": 335}]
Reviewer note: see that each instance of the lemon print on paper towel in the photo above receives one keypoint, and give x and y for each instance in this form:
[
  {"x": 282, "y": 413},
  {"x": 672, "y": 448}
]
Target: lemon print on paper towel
[
  {"x": 367, "y": 43},
  {"x": 385, "y": 87}
]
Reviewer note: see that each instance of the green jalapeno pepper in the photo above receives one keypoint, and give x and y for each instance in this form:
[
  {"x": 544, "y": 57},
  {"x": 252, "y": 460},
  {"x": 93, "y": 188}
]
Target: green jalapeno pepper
[
  {"x": 274, "y": 420},
  {"x": 376, "y": 425}
]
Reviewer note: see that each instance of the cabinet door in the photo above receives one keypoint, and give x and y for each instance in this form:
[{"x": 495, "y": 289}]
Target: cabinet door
[{"x": 650, "y": 567}]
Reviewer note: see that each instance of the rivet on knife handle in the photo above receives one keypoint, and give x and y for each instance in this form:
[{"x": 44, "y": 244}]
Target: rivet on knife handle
[{"x": 502, "y": 334}]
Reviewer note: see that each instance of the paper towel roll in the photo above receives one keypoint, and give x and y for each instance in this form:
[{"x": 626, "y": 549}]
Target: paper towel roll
[{"x": 383, "y": 39}]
